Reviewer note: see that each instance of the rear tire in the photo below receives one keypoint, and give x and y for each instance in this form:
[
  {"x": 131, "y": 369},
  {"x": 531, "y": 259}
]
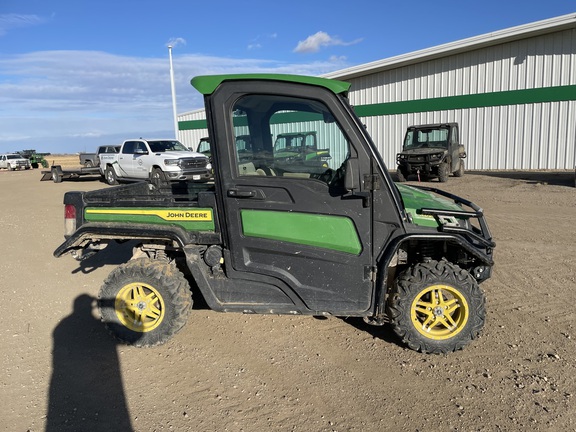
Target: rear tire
[
  {"x": 110, "y": 176},
  {"x": 436, "y": 307},
  {"x": 145, "y": 302},
  {"x": 460, "y": 171},
  {"x": 88, "y": 164}
]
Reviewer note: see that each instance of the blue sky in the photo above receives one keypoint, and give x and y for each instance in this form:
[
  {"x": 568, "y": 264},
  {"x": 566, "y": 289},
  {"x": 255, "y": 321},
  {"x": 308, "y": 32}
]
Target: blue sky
[{"x": 77, "y": 74}]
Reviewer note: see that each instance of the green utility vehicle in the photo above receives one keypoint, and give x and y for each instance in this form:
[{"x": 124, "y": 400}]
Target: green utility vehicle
[
  {"x": 36, "y": 159},
  {"x": 432, "y": 150},
  {"x": 287, "y": 239},
  {"x": 300, "y": 147}
]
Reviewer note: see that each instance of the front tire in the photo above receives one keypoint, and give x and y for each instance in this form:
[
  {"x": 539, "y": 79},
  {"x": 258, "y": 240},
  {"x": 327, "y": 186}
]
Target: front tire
[
  {"x": 443, "y": 172},
  {"x": 145, "y": 302},
  {"x": 158, "y": 178},
  {"x": 110, "y": 176},
  {"x": 436, "y": 307},
  {"x": 401, "y": 174}
]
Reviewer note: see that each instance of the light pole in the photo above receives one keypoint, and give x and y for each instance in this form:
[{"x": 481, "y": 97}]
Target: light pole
[{"x": 173, "y": 93}]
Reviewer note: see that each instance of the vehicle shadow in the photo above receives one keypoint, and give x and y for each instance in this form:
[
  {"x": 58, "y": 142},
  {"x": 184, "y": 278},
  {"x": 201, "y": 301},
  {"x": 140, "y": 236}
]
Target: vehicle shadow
[
  {"x": 86, "y": 390},
  {"x": 115, "y": 254},
  {"x": 384, "y": 332}
]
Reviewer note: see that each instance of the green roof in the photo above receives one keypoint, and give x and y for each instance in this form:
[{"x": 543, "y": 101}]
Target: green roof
[{"x": 207, "y": 84}]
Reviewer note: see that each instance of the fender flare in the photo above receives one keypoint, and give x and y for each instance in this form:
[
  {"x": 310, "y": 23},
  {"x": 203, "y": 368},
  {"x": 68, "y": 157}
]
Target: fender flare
[
  {"x": 96, "y": 232},
  {"x": 385, "y": 258}
]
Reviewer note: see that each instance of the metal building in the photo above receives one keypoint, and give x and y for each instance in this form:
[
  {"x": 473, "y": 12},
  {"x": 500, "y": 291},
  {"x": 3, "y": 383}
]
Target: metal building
[{"x": 513, "y": 92}]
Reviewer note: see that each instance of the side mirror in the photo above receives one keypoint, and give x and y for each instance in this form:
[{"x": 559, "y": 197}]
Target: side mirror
[
  {"x": 140, "y": 152},
  {"x": 351, "y": 174}
]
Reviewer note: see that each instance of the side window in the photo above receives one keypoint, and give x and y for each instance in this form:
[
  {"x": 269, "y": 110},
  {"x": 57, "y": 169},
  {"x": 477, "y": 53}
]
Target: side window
[
  {"x": 281, "y": 136},
  {"x": 128, "y": 147},
  {"x": 455, "y": 138}
]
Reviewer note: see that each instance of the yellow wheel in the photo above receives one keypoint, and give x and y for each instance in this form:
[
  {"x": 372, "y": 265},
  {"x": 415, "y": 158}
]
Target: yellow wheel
[
  {"x": 139, "y": 307},
  {"x": 145, "y": 302},
  {"x": 439, "y": 312},
  {"x": 436, "y": 307}
]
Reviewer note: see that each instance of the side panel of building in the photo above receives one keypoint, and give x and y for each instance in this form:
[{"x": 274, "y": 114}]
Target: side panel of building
[
  {"x": 192, "y": 128},
  {"x": 519, "y": 129}
]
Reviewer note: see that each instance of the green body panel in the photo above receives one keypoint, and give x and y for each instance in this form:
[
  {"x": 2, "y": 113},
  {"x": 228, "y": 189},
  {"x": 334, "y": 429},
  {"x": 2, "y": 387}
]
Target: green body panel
[
  {"x": 207, "y": 84},
  {"x": 415, "y": 199},
  {"x": 323, "y": 231},
  {"x": 191, "y": 219}
]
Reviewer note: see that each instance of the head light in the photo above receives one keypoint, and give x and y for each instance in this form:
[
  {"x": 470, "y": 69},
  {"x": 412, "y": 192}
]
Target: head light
[{"x": 172, "y": 162}]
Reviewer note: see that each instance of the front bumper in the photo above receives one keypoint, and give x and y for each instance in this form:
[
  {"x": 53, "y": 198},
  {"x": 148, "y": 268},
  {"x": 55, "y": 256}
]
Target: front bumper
[
  {"x": 195, "y": 175},
  {"x": 421, "y": 163}
]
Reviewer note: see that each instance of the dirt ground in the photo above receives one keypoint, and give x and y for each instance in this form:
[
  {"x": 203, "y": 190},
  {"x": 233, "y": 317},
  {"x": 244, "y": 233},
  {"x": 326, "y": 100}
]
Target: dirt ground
[{"x": 233, "y": 372}]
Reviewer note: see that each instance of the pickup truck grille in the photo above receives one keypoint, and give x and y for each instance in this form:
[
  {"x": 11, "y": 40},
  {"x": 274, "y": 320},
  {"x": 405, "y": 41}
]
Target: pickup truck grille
[{"x": 188, "y": 163}]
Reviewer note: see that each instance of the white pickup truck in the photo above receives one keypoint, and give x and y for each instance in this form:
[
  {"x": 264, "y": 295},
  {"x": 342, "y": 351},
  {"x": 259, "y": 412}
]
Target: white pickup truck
[
  {"x": 158, "y": 160},
  {"x": 12, "y": 161}
]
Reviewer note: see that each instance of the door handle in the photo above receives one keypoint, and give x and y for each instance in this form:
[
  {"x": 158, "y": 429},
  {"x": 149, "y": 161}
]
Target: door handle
[{"x": 237, "y": 193}]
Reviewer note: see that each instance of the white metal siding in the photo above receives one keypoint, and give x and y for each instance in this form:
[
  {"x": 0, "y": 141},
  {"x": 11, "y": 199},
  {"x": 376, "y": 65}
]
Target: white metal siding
[
  {"x": 191, "y": 138},
  {"x": 529, "y": 136}
]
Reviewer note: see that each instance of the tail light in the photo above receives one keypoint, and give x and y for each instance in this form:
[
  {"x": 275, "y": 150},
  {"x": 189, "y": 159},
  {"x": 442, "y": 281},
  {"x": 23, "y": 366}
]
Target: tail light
[{"x": 69, "y": 220}]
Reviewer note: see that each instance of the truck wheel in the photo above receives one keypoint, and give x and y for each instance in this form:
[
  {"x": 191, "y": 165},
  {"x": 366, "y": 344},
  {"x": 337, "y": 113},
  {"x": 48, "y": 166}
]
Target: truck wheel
[
  {"x": 110, "y": 176},
  {"x": 10, "y": 167},
  {"x": 145, "y": 302},
  {"x": 401, "y": 174},
  {"x": 460, "y": 171},
  {"x": 443, "y": 172},
  {"x": 158, "y": 178},
  {"x": 88, "y": 164},
  {"x": 56, "y": 177},
  {"x": 436, "y": 307}
]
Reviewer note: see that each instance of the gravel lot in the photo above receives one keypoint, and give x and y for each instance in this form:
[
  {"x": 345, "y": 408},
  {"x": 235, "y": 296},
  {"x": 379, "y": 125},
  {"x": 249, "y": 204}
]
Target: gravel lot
[{"x": 233, "y": 372}]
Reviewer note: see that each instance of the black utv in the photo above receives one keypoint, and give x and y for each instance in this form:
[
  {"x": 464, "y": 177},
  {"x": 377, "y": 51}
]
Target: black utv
[{"x": 432, "y": 150}]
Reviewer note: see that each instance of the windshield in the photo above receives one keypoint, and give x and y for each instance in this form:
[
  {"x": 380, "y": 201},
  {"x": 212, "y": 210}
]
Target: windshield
[
  {"x": 431, "y": 137},
  {"x": 14, "y": 157},
  {"x": 166, "y": 145},
  {"x": 295, "y": 141}
]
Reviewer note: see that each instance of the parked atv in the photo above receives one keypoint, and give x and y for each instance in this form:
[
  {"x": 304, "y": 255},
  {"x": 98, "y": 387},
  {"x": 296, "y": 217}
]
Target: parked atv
[
  {"x": 287, "y": 237},
  {"x": 430, "y": 151}
]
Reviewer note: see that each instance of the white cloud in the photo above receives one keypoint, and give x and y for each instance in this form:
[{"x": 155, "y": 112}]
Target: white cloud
[
  {"x": 69, "y": 101},
  {"x": 318, "y": 40},
  {"x": 10, "y": 21},
  {"x": 174, "y": 42}
]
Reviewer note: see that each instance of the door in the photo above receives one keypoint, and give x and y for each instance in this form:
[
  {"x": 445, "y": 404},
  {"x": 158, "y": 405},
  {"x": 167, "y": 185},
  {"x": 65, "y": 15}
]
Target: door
[
  {"x": 288, "y": 219},
  {"x": 126, "y": 159}
]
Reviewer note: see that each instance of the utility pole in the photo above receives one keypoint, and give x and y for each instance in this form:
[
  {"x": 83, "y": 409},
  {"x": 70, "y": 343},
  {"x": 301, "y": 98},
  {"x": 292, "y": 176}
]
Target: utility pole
[{"x": 173, "y": 94}]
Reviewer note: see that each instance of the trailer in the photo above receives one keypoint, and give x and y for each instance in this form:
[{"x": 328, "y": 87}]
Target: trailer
[{"x": 57, "y": 174}]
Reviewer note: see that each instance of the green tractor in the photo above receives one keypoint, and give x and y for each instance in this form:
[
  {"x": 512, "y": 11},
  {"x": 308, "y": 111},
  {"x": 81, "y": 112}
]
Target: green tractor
[{"x": 36, "y": 159}]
